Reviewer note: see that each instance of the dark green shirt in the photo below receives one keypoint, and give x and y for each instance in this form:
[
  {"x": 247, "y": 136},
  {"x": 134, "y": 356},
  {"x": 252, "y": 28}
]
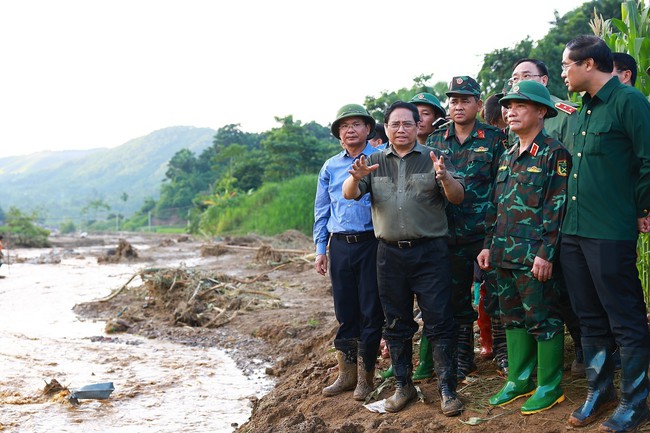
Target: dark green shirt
[
  {"x": 477, "y": 161},
  {"x": 407, "y": 201},
  {"x": 524, "y": 219},
  {"x": 609, "y": 186}
]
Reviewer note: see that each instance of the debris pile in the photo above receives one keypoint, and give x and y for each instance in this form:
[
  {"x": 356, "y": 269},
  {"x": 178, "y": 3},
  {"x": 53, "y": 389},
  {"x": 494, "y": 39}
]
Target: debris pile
[{"x": 114, "y": 255}]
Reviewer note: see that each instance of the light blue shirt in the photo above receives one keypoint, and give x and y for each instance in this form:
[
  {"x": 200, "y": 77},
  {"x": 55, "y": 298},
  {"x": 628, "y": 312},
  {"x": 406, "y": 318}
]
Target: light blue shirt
[{"x": 332, "y": 212}]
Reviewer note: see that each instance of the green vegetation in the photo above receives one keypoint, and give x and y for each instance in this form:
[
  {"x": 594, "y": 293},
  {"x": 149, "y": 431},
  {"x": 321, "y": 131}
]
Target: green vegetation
[
  {"x": 22, "y": 229},
  {"x": 274, "y": 208}
]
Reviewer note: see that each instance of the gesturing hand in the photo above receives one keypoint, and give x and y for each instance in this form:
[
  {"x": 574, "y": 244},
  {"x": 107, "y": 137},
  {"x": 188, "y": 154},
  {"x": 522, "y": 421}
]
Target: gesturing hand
[
  {"x": 439, "y": 166},
  {"x": 360, "y": 168}
]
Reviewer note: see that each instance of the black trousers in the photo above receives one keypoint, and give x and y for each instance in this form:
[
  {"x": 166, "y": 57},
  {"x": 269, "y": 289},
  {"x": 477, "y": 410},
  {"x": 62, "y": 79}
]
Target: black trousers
[
  {"x": 353, "y": 271},
  {"x": 424, "y": 272},
  {"x": 605, "y": 290}
]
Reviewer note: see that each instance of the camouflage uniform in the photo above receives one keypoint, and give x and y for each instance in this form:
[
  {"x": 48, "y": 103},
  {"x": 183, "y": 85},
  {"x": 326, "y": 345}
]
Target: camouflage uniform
[
  {"x": 523, "y": 222},
  {"x": 477, "y": 160}
]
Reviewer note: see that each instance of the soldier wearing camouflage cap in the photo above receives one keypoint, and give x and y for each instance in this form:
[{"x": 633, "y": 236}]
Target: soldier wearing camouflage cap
[
  {"x": 347, "y": 227},
  {"x": 474, "y": 149},
  {"x": 522, "y": 243},
  {"x": 432, "y": 115}
]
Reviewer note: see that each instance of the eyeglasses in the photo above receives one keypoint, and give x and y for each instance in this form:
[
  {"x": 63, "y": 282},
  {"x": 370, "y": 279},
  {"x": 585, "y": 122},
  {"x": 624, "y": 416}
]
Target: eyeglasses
[
  {"x": 355, "y": 125},
  {"x": 406, "y": 125},
  {"x": 566, "y": 66},
  {"x": 524, "y": 77}
]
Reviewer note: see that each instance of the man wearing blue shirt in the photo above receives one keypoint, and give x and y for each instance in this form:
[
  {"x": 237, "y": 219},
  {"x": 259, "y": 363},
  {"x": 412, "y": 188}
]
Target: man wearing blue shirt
[{"x": 347, "y": 226}]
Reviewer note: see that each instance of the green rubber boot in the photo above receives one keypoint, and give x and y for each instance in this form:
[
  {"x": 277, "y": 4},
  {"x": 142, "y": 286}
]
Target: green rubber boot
[
  {"x": 550, "y": 359},
  {"x": 425, "y": 367},
  {"x": 387, "y": 373},
  {"x": 522, "y": 358}
]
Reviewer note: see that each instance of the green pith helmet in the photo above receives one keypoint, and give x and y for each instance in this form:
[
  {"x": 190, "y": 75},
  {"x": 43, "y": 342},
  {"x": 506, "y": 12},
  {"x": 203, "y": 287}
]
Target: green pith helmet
[
  {"x": 531, "y": 91},
  {"x": 429, "y": 99},
  {"x": 352, "y": 110},
  {"x": 464, "y": 85}
]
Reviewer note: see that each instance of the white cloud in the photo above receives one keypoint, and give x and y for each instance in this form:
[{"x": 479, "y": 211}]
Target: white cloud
[{"x": 81, "y": 74}]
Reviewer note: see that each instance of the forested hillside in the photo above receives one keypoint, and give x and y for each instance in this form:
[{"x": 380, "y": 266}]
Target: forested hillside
[{"x": 60, "y": 185}]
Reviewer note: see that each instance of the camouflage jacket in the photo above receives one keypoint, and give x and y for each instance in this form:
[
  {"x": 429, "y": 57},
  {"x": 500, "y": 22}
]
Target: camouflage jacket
[
  {"x": 524, "y": 219},
  {"x": 477, "y": 161}
]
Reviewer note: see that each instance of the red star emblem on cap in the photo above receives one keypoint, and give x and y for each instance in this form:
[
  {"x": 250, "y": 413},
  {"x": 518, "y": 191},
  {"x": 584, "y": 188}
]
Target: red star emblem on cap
[{"x": 459, "y": 80}]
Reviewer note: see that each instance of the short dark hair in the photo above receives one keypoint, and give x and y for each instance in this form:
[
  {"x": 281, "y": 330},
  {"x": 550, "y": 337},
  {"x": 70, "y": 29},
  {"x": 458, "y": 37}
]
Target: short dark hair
[
  {"x": 380, "y": 132},
  {"x": 541, "y": 66},
  {"x": 402, "y": 104},
  {"x": 492, "y": 110},
  {"x": 591, "y": 47},
  {"x": 625, "y": 62}
]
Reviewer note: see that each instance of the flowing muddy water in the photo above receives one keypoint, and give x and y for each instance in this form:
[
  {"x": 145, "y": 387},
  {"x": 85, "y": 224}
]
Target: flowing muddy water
[{"x": 159, "y": 386}]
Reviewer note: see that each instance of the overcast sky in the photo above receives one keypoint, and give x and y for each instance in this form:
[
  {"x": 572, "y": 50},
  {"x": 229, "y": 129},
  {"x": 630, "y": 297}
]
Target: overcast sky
[{"x": 79, "y": 74}]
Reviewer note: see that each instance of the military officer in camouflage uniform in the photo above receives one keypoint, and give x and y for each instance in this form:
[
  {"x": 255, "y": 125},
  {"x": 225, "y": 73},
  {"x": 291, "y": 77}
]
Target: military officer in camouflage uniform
[
  {"x": 474, "y": 148},
  {"x": 522, "y": 244},
  {"x": 560, "y": 128}
]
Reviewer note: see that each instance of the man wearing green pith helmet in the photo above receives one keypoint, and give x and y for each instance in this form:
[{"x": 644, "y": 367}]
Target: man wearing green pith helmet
[
  {"x": 346, "y": 226},
  {"x": 522, "y": 243}
]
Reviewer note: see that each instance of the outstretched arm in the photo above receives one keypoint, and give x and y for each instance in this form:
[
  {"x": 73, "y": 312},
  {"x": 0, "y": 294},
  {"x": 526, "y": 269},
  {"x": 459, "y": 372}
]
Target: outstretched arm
[{"x": 358, "y": 171}]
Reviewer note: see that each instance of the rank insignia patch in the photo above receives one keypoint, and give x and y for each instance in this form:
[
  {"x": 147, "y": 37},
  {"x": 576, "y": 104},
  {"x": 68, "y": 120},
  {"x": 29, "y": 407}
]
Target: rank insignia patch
[
  {"x": 562, "y": 167},
  {"x": 565, "y": 107},
  {"x": 534, "y": 149},
  {"x": 480, "y": 133},
  {"x": 534, "y": 169}
]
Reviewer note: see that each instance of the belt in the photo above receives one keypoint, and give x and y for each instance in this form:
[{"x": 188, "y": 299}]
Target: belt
[
  {"x": 410, "y": 243},
  {"x": 354, "y": 238}
]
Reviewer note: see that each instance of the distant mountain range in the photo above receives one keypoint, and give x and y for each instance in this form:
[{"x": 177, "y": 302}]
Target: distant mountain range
[{"x": 60, "y": 184}]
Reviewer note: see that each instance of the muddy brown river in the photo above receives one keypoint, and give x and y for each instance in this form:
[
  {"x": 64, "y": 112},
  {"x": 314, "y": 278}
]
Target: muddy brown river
[{"x": 159, "y": 387}]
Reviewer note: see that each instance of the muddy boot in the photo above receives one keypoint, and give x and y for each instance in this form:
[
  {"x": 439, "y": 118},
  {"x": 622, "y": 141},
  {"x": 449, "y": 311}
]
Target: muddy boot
[
  {"x": 403, "y": 395},
  {"x": 632, "y": 409},
  {"x": 365, "y": 372},
  {"x": 499, "y": 346},
  {"x": 425, "y": 367},
  {"x": 346, "y": 355},
  {"x": 485, "y": 326},
  {"x": 550, "y": 359},
  {"x": 365, "y": 383},
  {"x": 601, "y": 395},
  {"x": 522, "y": 359},
  {"x": 444, "y": 358},
  {"x": 401, "y": 354},
  {"x": 466, "y": 365}
]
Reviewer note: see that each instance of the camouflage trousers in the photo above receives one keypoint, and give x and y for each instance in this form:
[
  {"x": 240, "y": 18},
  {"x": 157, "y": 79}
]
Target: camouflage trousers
[
  {"x": 491, "y": 300},
  {"x": 463, "y": 258},
  {"x": 525, "y": 302}
]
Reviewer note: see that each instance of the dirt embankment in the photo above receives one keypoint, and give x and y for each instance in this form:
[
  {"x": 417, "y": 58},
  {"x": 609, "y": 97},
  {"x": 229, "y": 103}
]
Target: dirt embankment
[{"x": 262, "y": 297}]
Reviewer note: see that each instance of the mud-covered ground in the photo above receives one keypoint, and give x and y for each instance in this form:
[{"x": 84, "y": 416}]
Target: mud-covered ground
[{"x": 261, "y": 299}]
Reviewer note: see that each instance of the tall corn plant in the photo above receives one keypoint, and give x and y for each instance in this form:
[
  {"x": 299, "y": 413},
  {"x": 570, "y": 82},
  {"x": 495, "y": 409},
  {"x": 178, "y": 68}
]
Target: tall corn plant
[{"x": 632, "y": 37}]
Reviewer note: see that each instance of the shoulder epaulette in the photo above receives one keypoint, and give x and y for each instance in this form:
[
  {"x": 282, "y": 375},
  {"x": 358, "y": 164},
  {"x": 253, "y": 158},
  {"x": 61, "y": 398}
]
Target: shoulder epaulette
[{"x": 566, "y": 108}]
